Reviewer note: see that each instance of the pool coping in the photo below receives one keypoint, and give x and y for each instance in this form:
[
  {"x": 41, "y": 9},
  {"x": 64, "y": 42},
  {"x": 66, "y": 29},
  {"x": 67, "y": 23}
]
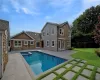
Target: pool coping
[{"x": 32, "y": 74}]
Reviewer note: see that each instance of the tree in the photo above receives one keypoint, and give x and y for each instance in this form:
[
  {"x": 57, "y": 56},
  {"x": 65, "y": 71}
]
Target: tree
[
  {"x": 85, "y": 23},
  {"x": 83, "y": 27},
  {"x": 97, "y": 32}
]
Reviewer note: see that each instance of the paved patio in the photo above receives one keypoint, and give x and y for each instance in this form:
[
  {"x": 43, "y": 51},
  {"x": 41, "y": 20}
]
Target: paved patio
[
  {"x": 75, "y": 69},
  {"x": 16, "y": 69}
]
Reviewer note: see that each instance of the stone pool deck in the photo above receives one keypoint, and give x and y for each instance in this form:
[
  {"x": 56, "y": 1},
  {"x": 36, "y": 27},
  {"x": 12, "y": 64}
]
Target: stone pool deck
[
  {"x": 63, "y": 54},
  {"x": 16, "y": 69},
  {"x": 74, "y": 69}
]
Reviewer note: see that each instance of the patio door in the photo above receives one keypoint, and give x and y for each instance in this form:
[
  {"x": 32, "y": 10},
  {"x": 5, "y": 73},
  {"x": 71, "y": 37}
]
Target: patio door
[
  {"x": 37, "y": 44},
  {"x": 0, "y": 55},
  {"x": 61, "y": 45}
]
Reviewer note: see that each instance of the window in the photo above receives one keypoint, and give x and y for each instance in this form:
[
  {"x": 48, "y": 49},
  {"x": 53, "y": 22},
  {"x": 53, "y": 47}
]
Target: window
[
  {"x": 61, "y": 31},
  {"x": 53, "y": 43},
  {"x": 43, "y": 33},
  {"x": 31, "y": 43},
  {"x": 47, "y": 32},
  {"x": 52, "y": 31},
  {"x": 25, "y": 42},
  {"x": 18, "y": 43},
  {"x": 37, "y": 44},
  {"x": 47, "y": 43}
]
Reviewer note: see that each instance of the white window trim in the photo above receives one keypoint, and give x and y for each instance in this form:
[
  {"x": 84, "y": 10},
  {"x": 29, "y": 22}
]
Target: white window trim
[
  {"x": 25, "y": 43},
  {"x": 46, "y": 43},
  {"x": 62, "y": 30},
  {"x": 54, "y": 43},
  {"x": 17, "y": 46},
  {"x": 31, "y": 41}
]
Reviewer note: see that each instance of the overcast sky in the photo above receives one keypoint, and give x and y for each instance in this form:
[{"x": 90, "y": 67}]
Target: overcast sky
[{"x": 31, "y": 15}]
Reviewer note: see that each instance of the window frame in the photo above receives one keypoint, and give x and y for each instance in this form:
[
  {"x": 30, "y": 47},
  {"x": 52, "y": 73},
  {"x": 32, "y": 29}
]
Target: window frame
[
  {"x": 31, "y": 41},
  {"x": 47, "y": 32},
  {"x": 17, "y": 43},
  {"x": 48, "y": 43},
  {"x": 62, "y": 31},
  {"x": 25, "y": 43},
  {"x": 52, "y": 43}
]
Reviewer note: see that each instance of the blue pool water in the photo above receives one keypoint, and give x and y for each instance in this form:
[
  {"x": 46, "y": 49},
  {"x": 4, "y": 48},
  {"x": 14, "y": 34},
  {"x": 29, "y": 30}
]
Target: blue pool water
[{"x": 40, "y": 62}]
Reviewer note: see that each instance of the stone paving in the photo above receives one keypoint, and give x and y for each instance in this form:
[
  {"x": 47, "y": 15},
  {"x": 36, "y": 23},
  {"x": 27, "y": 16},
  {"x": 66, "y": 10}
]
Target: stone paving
[{"x": 75, "y": 69}]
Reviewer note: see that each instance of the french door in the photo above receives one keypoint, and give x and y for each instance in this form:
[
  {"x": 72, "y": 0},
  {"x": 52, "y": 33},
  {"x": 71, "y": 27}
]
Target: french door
[{"x": 61, "y": 45}]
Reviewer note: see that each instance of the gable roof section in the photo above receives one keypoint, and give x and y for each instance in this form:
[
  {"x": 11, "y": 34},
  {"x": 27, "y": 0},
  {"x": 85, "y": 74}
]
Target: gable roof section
[
  {"x": 35, "y": 35},
  {"x": 20, "y": 34},
  {"x": 59, "y": 25},
  {"x": 65, "y": 23},
  {"x": 49, "y": 23},
  {"x": 32, "y": 35}
]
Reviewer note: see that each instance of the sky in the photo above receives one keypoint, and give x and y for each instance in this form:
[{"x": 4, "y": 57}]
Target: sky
[{"x": 31, "y": 15}]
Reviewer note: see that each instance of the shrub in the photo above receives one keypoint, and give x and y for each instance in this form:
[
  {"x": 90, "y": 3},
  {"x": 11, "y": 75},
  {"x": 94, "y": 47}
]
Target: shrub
[
  {"x": 97, "y": 52},
  {"x": 71, "y": 48}
]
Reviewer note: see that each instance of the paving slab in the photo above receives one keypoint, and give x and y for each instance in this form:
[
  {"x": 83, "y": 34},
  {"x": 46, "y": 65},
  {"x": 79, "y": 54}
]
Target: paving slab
[
  {"x": 81, "y": 64},
  {"x": 83, "y": 61},
  {"x": 73, "y": 62},
  {"x": 98, "y": 69},
  {"x": 49, "y": 77},
  {"x": 69, "y": 75},
  {"x": 97, "y": 77},
  {"x": 90, "y": 67},
  {"x": 87, "y": 72},
  {"x": 76, "y": 68},
  {"x": 61, "y": 70},
  {"x": 68, "y": 65},
  {"x": 77, "y": 59},
  {"x": 81, "y": 78}
]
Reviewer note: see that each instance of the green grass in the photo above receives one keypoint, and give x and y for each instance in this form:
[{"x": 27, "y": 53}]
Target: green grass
[{"x": 87, "y": 54}]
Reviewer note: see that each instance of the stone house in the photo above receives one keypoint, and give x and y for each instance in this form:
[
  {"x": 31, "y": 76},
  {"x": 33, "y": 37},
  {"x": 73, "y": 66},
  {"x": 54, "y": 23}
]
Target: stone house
[
  {"x": 4, "y": 38},
  {"x": 56, "y": 37},
  {"x": 25, "y": 40}
]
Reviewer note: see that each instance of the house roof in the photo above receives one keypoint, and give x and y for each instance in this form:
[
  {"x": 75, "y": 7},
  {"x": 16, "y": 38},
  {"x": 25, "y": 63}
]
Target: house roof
[
  {"x": 35, "y": 35},
  {"x": 56, "y": 24},
  {"x": 4, "y": 25},
  {"x": 32, "y": 35}
]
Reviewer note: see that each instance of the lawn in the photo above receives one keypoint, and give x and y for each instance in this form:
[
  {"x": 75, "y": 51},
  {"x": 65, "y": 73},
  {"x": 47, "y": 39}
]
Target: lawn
[{"x": 87, "y": 54}]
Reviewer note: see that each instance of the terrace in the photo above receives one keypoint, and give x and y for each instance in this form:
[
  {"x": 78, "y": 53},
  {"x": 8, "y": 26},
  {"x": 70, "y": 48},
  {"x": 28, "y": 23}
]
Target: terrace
[{"x": 73, "y": 69}]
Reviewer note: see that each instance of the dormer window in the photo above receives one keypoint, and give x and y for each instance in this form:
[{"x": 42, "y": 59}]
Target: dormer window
[{"x": 61, "y": 31}]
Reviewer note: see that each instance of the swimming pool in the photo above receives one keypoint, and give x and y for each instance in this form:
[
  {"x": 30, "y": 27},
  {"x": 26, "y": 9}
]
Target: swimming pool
[{"x": 40, "y": 62}]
